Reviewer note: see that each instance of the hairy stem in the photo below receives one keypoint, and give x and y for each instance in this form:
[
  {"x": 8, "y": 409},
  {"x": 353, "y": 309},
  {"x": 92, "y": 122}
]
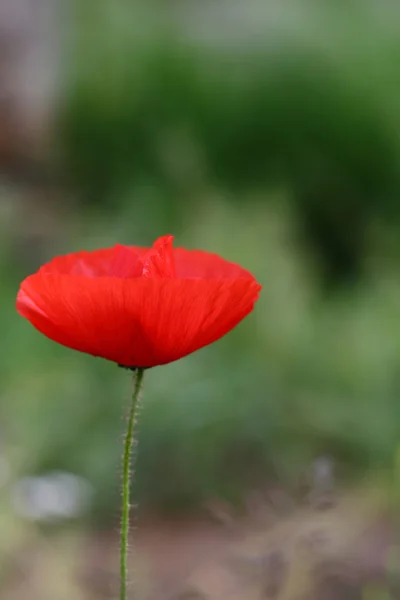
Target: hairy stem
[{"x": 126, "y": 482}]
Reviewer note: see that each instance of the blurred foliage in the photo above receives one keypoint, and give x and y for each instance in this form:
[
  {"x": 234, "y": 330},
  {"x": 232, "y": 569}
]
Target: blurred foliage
[
  {"x": 301, "y": 377},
  {"x": 274, "y": 142},
  {"x": 308, "y": 98}
]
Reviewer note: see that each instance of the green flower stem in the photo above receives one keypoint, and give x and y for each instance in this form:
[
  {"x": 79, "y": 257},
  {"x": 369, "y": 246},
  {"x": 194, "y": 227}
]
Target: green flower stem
[{"x": 126, "y": 482}]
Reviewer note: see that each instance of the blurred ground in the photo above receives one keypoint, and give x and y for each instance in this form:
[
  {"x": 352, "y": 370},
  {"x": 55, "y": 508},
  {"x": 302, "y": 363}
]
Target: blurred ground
[{"x": 335, "y": 552}]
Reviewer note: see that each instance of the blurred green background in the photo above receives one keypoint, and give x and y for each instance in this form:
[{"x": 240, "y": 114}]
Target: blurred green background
[{"x": 268, "y": 133}]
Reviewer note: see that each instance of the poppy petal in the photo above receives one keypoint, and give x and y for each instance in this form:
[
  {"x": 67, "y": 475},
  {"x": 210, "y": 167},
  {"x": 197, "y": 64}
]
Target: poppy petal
[
  {"x": 139, "y": 322},
  {"x": 195, "y": 263},
  {"x": 159, "y": 261},
  {"x": 118, "y": 261}
]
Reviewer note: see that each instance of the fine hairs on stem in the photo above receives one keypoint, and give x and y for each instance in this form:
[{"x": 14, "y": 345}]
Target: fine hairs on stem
[{"x": 126, "y": 482}]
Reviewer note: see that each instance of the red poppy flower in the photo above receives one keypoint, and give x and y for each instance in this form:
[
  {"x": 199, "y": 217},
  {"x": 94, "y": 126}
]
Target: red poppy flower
[{"x": 138, "y": 307}]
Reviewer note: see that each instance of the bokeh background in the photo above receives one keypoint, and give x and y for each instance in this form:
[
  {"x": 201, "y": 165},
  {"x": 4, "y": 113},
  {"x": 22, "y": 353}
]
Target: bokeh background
[{"x": 268, "y": 132}]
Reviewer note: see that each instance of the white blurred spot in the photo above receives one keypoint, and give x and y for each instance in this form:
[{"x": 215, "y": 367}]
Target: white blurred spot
[{"x": 51, "y": 497}]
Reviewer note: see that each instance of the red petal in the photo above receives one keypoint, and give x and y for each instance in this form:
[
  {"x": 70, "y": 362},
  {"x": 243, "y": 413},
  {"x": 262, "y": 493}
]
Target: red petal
[
  {"x": 139, "y": 322},
  {"x": 118, "y": 261},
  {"x": 159, "y": 260},
  {"x": 195, "y": 263}
]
